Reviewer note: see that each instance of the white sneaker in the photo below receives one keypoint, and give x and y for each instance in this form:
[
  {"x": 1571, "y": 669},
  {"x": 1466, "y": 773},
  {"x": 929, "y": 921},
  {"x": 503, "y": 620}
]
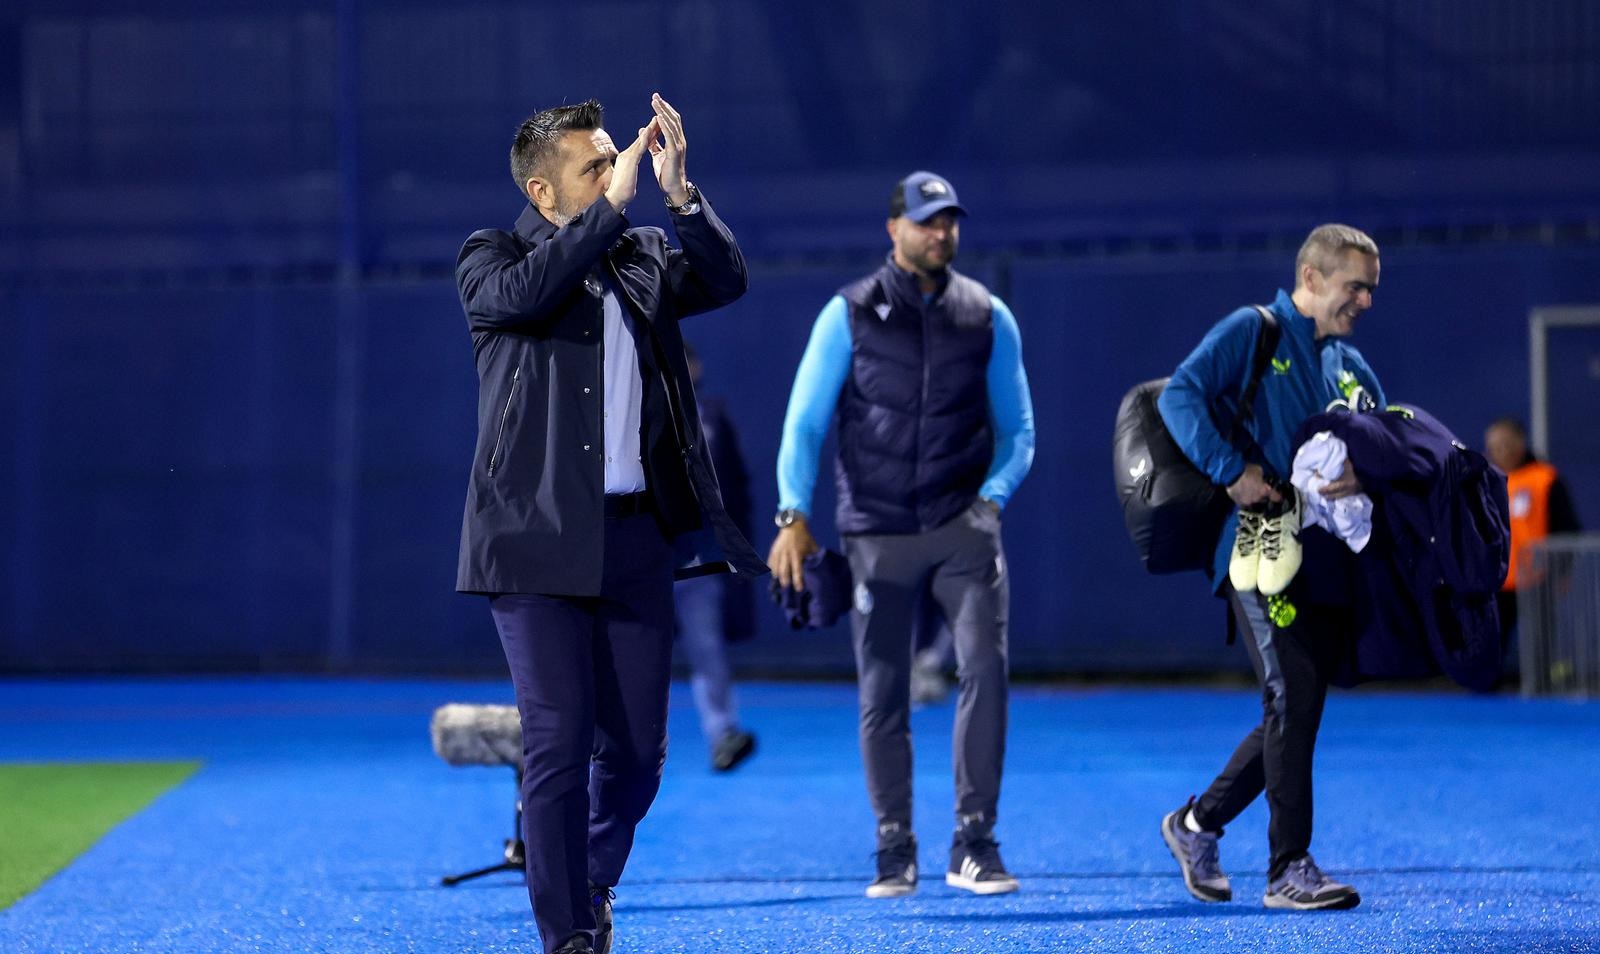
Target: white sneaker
[
  {"x": 1280, "y": 548},
  {"x": 1242, "y": 566},
  {"x": 975, "y": 863}
]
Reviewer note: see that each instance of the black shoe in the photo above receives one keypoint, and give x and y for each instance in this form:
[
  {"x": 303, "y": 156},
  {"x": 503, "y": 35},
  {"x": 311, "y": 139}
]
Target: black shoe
[
  {"x": 975, "y": 863},
  {"x": 734, "y": 747},
  {"x": 576, "y": 944},
  {"x": 897, "y": 862},
  {"x": 601, "y": 898}
]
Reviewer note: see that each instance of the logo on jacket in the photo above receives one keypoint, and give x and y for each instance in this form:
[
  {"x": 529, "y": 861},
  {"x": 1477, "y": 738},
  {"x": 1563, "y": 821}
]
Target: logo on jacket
[
  {"x": 1280, "y": 365},
  {"x": 882, "y": 308},
  {"x": 1137, "y": 470}
]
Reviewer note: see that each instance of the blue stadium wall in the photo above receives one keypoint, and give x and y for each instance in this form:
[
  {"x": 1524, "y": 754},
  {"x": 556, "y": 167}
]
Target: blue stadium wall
[{"x": 236, "y": 391}]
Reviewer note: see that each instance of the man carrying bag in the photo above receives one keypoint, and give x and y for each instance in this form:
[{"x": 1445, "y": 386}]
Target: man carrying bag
[
  {"x": 1294, "y": 650},
  {"x": 1173, "y": 512}
]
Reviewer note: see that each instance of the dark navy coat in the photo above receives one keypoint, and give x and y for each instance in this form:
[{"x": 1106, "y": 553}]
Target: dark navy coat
[
  {"x": 1423, "y": 589},
  {"x": 535, "y": 511}
]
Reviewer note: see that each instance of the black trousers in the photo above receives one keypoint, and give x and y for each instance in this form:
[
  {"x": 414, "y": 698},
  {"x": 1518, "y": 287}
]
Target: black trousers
[
  {"x": 591, "y": 677},
  {"x": 1293, "y": 665}
]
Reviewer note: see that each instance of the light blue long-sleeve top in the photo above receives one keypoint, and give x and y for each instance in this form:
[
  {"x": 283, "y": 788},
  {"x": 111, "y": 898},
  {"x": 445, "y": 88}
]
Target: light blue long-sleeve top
[{"x": 820, "y": 379}]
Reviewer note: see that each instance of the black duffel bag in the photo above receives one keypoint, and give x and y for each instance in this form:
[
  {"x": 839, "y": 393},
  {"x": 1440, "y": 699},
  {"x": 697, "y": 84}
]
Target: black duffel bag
[{"x": 1174, "y": 513}]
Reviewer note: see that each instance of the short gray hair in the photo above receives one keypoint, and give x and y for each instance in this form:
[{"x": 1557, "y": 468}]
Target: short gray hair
[{"x": 1327, "y": 243}]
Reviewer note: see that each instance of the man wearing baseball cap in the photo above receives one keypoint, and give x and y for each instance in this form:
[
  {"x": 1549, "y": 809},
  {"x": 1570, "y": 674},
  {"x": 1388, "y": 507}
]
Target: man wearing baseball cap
[{"x": 923, "y": 368}]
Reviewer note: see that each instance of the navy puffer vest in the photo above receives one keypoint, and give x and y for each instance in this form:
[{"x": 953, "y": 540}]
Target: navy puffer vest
[{"x": 915, "y": 443}]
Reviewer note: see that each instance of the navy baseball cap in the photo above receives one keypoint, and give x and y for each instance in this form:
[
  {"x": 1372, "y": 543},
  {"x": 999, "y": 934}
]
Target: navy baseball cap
[{"x": 922, "y": 195}]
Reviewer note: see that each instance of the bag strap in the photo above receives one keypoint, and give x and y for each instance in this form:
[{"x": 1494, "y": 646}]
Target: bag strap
[{"x": 1266, "y": 345}]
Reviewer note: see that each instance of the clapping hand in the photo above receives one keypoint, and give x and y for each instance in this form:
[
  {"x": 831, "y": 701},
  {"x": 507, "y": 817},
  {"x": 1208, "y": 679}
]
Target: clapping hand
[
  {"x": 625, "y": 168},
  {"x": 667, "y": 149}
]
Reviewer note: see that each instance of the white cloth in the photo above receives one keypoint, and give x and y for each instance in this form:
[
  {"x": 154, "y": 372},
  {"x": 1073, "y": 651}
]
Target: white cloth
[{"x": 1318, "y": 462}]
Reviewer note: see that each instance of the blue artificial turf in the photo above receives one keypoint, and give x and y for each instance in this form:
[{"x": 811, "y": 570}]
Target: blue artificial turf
[{"x": 321, "y": 822}]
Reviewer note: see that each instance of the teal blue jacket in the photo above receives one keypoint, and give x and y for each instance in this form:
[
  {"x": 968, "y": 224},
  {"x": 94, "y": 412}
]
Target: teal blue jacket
[{"x": 1306, "y": 375}]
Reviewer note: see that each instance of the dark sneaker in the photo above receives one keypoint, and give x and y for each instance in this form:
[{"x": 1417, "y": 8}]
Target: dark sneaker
[
  {"x": 1303, "y": 887},
  {"x": 734, "y": 747},
  {"x": 975, "y": 863},
  {"x": 897, "y": 862},
  {"x": 577, "y": 944},
  {"x": 1196, "y": 852},
  {"x": 601, "y": 898}
]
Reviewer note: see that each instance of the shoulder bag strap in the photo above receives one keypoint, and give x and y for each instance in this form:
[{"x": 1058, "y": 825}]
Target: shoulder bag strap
[{"x": 1266, "y": 345}]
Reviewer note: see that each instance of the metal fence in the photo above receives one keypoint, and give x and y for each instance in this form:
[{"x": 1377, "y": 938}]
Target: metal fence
[{"x": 1558, "y": 597}]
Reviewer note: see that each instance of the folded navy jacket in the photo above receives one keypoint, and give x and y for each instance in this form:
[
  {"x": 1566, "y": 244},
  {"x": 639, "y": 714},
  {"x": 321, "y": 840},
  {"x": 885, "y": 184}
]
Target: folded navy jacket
[
  {"x": 1423, "y": 594},
  {"x": 826, "y": 596}
]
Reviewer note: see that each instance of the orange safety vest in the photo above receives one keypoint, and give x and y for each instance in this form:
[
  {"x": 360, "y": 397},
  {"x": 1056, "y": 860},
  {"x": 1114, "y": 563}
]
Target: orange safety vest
[{"x": 1528, "y": 490}]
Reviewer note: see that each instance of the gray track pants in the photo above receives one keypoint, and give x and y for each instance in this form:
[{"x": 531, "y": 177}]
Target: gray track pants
[{"x": 962, "y": 565}]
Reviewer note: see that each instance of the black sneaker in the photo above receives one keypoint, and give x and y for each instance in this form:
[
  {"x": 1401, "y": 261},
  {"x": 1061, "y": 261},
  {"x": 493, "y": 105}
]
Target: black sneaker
[
  {"x": 1303, "y": 887},
  {"x": 601, "y": 898},
  {"x": 1196, "y": 852},
  {"x": 897, "y": 862},
  {"x": 734, "y": 747},
  {"x": 975, "y": 863},
  {"x": 576, "y": 944}
]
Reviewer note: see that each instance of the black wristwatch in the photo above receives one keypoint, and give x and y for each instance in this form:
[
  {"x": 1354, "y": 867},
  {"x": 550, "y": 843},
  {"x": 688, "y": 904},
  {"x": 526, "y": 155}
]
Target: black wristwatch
[
  {"x": 690, "y": 205},
  {"x": 787, "y": 517}
]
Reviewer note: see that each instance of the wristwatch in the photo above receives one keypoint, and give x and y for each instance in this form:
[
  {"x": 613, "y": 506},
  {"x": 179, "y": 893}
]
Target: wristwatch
[
  {"x": 690, "y": 205},
  {"x": 788, "y": 516}
]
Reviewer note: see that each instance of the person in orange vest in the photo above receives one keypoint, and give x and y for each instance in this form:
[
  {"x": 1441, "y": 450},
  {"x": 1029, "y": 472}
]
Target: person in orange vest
[{"x": 1540, "y": 504}]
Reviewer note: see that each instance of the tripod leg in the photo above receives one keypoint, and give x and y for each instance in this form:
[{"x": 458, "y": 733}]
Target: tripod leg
[
  {"x": 450, "y": 880},
  {"x": 514, "y": 852}
]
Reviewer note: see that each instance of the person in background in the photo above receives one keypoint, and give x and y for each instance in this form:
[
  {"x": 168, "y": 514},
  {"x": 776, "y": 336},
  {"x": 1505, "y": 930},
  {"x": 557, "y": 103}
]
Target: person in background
[
  {"x": 1540, "y": 506},
  {"x": 713, "y": 611}
]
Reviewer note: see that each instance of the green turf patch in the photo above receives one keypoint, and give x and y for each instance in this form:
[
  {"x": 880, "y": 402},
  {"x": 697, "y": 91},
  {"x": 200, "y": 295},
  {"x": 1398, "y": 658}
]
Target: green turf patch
[{"x": 51, "y": 813}]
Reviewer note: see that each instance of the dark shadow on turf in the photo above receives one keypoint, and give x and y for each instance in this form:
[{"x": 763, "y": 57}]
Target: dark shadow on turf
[
  {"x": 1187, "y": 911},
  {"x": 511, "y": 880},
  {"x": 739, "y": 905},
  {"x": 1025, "y": 876}
]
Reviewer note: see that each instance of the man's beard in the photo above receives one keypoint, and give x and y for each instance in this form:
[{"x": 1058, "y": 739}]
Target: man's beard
[
  {"x": 934, "y": 264},
  {"x": 563, "y": 212}
]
